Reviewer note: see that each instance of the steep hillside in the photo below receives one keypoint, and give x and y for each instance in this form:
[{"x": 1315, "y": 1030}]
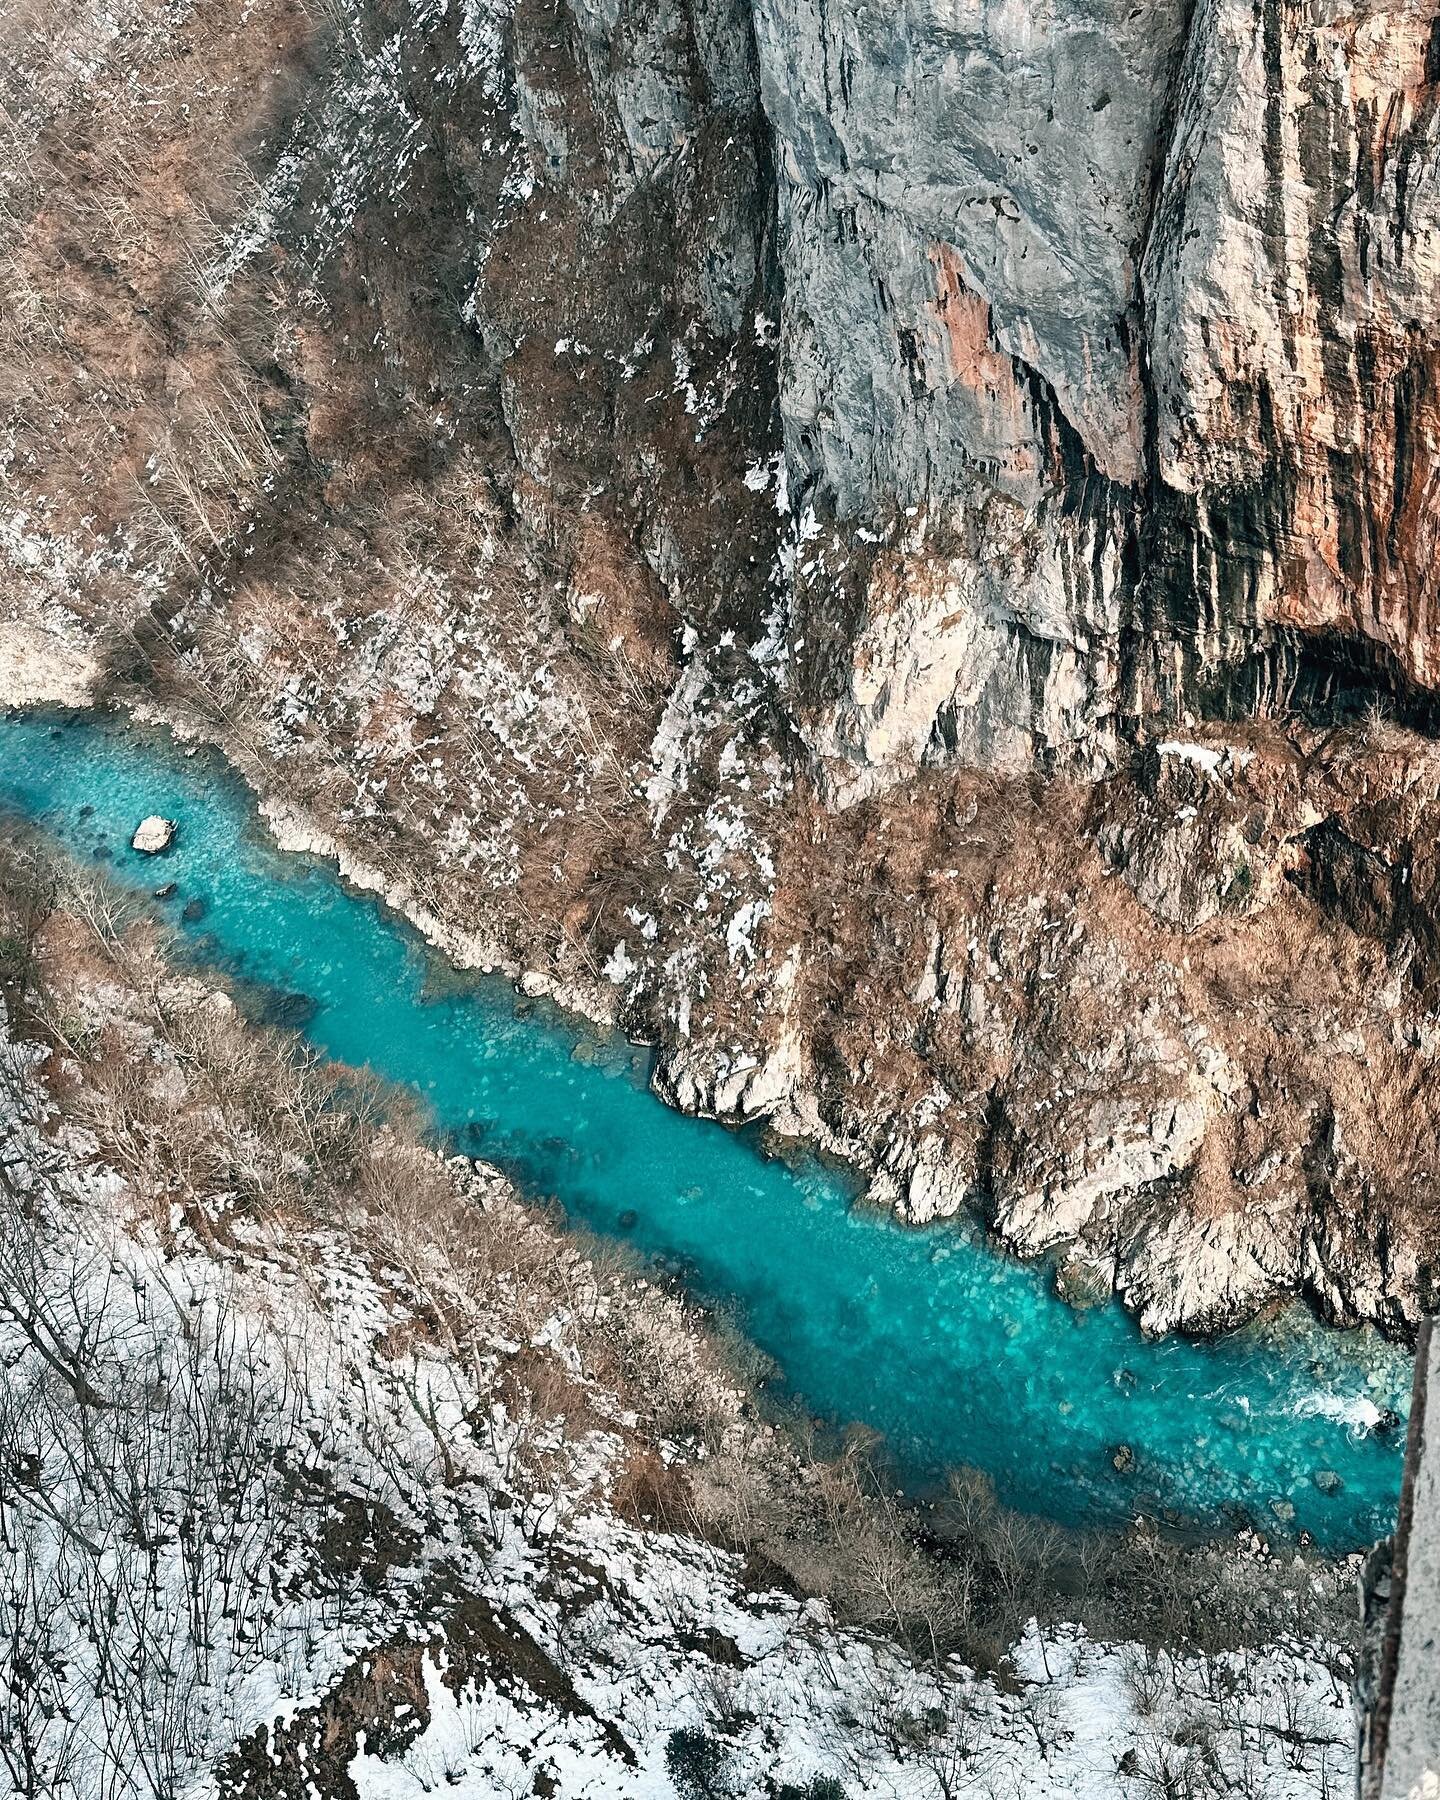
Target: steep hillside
[
  {"x": 891, "y": 549},
  {"x": 328, "y": 1467}
]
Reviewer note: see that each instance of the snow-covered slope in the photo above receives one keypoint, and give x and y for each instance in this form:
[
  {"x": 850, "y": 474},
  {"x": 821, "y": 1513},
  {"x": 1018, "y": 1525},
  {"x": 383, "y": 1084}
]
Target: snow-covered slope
[{"x": 328, "y": 1468}]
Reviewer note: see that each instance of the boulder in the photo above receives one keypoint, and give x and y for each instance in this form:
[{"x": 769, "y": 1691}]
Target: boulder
[{"x": 153, "y": 835}]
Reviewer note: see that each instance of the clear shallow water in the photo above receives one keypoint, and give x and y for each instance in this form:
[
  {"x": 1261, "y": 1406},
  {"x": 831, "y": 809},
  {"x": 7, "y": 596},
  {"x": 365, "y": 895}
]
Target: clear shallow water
[{"x": 956, "y": 1354}]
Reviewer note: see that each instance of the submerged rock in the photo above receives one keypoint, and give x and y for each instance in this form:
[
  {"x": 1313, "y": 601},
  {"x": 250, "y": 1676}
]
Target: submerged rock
[
  {"x": 153, "y": 834},
  {"x": 1327, "y": 1481},
  {"x": 1122, "y": 1460},
  {"x": 287, "y": 1010},
  {"x": 1082, "y": 1284}
]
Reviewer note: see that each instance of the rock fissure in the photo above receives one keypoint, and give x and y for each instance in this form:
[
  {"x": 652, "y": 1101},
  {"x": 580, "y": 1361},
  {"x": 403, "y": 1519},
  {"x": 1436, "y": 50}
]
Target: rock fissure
[{"x": 894, "y": 554}]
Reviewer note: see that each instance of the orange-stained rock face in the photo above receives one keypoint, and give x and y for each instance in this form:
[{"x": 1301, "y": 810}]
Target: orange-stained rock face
[
  {"x": 722, "y": 503},
  {"x": 969, "y": 357},
  {"x": 1292, "y": 282}
]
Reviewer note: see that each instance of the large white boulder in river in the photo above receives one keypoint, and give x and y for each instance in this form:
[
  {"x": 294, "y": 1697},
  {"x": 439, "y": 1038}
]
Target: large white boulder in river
[{"x": 153, "y": 835}]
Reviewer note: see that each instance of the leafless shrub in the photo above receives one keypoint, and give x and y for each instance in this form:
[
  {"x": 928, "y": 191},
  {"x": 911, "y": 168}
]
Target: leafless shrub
[
  {"x": 151, "y": 1435},
  {"x": 716, "y": 1688},
  {"x": 1147, "y": 1678},
  {"x": 140, "y": 1474}
]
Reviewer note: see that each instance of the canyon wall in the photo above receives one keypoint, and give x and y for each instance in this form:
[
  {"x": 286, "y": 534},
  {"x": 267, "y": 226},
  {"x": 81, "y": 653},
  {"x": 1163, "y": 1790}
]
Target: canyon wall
[
  {"x": 1104, "y": 351},
  {"x": 891, "y": 551},
  {"x": 1120, "y": 325}
]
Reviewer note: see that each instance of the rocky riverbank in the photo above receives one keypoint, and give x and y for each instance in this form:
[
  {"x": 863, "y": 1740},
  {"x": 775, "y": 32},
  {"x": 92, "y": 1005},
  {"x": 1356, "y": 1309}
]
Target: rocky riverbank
[
  {"x": 1214, "y": 1149},
  {"x": 916, "y": 601}
]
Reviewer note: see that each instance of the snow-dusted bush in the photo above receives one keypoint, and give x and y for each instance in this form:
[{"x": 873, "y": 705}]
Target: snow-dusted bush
[{"x": 324, "y": 1458}]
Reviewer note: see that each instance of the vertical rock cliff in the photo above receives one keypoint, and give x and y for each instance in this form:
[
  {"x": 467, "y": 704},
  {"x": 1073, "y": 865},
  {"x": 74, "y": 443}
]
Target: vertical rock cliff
[
  {"x": 890, "y": 549},
  {"x": 1121, "y": 326}
]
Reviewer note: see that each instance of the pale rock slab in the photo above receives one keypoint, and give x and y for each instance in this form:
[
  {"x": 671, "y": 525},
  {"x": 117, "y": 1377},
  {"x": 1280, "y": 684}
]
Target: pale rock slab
[
  {"x": 39, "y": 668},
  {"x": 153, "y": 835}
]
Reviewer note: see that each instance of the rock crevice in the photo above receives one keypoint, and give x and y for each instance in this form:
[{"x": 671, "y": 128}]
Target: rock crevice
[{"x": 892, "y": 550}]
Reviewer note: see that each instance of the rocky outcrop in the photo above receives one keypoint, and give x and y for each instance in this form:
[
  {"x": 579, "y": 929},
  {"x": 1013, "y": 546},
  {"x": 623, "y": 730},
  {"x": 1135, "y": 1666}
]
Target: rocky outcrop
[
  {"x": 892, "y": 551},
  {"x": 1131, "y": 323},
  {"x": 38, "y": 668},
  {"x": 153, "y": 834}
]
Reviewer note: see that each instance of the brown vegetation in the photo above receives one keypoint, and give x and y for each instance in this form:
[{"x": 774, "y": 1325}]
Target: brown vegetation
[{"x": 255, "y": 1133}]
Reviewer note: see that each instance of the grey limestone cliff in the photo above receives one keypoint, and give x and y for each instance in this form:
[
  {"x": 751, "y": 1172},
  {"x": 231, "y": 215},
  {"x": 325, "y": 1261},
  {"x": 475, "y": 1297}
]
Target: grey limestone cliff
[{"x": 890, "y": 549}]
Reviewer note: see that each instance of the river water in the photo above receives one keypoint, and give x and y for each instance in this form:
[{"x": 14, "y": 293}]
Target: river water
[{"x": 955, "y": 1353}]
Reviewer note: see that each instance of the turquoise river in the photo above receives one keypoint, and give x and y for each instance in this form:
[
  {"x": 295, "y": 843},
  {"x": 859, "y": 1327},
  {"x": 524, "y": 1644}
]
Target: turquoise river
[{"x": 954, "y": 1353}]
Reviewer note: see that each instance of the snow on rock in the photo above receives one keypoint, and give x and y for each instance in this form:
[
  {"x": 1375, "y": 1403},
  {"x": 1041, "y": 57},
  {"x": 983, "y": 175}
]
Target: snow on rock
[
  {"x": 1201, "y": 755},
  {"x": 153, "y": 834},
  {"x": 620, "y": 966},
  {"x": 334, "y": 1545}
]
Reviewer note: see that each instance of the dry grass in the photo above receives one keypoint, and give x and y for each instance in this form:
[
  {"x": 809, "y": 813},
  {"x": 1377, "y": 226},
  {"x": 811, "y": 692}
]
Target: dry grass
[{"x": 286, "y": 1145}]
